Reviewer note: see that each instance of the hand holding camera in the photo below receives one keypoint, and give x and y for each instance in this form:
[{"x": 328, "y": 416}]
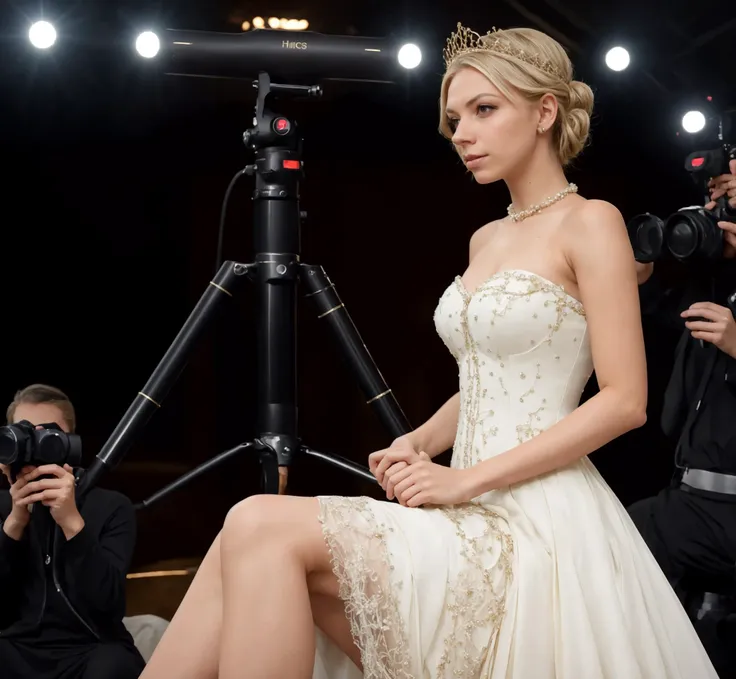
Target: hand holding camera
[
  {"x": 725, "y": 185},
  {"x": 50, "y": 485},
  {"x": 35, "y": 461},
  {"x": 715, "y": 324},
  {"x": 19, "y": 516}
]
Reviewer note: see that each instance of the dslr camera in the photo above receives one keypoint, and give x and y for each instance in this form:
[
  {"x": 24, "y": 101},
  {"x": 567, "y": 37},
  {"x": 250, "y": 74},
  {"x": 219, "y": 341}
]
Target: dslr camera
[
  {"x": 22, "y": 445},
  {"x": 691, "y": 232}
]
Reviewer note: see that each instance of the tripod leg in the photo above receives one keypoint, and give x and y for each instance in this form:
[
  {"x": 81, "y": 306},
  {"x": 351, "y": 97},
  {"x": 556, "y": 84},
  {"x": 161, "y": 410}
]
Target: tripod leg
[
  {"x": 333, "y": 311},
  {"x": 183, "y": 480},
  {"x": 150, "y": 398},
  {"x": 340, "y": 463}
]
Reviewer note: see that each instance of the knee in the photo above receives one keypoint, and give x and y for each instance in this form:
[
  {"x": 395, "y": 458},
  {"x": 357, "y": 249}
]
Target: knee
[{"x": 252, "y": 522}]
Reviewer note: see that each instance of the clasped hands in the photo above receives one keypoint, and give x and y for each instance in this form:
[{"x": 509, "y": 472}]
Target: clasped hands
[{"x": 414, "y": 480}]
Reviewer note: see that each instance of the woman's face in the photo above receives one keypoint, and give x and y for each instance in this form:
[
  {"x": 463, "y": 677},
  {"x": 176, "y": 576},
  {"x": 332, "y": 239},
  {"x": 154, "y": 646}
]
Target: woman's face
[{"x": 492, "y": 134}]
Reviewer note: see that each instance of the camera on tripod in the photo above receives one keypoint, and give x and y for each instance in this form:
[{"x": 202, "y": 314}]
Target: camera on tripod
[
  {"x": 23, "y": 445},
  {"x": 691, "y": 232}
]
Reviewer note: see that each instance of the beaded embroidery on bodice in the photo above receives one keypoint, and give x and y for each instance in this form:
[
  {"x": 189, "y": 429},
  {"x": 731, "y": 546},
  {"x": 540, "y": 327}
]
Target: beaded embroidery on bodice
[{"x": 524, "y": 357}]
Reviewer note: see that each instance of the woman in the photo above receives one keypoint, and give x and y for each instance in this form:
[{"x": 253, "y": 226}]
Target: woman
[{"x": 518, "y": 561}]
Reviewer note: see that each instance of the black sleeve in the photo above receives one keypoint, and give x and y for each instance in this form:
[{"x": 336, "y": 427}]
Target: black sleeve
[
  {"x": 96, "y": 568},
  {"x": 13, "y": 565},
  {"x": 675, "y": 403},
  {"x": 12, "y": 552}
]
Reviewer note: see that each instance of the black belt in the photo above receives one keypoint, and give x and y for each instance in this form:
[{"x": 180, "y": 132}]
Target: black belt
[{"x": 713, "y": 482}]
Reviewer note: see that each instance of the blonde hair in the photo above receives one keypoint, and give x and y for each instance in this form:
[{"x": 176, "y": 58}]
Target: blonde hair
[
  {"x": 43, "y": 393},
  {"x": 510, "y": 73}
]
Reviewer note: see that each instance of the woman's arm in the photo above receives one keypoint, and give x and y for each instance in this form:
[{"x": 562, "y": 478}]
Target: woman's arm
[
  {"x": 437, "y": 434},
  {"x": 602, "y": 258}
]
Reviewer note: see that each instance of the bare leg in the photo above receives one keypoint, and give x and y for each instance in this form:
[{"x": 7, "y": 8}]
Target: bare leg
[
  {"x": 273, "y": 557},
  {"x": 329, "y": 616},
  {"x": 273, "y": 619},
  {"x": 190, "y": 647}
]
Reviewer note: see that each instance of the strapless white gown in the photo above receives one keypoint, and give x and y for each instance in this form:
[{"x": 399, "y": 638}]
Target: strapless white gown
[{"x": 546, "y": 579}]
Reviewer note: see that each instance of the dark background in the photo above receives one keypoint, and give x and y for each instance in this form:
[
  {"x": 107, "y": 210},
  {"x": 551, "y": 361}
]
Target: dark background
[{"x": 113, "y": 177}]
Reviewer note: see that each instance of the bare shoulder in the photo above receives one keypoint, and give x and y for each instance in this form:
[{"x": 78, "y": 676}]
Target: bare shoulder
[
  {"x": 597, "y": 219},
  {"x": 596, "y": 229},
  {"x": 481, "y": 237}
]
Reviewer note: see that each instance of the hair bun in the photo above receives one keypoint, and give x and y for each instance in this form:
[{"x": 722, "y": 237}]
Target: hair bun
[
  {"x": 581, "y": 96},
  {"x": 574, "y": 121}
]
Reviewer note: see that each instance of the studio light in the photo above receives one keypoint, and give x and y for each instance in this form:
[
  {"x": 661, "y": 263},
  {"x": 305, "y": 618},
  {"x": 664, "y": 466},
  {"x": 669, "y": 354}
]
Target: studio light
[
  {"x": 410, "y": 56},
  {"x": 147, "y": 44},
  {"x": 693, "y": 122},
  {"x": 287, "y": 54},
  {"x": 618, "y": 59},
  {"x": 42, "y": 35}
]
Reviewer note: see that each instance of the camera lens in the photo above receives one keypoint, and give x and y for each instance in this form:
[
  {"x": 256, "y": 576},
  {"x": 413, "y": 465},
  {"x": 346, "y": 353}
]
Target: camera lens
[
  {"x": 51, "y": 447},
  {"x": 646, "y": 234},
  {"x": 9, "y": 445},
  {"x": 682, "y": 236},
  {"x": 692, "y": 232}
]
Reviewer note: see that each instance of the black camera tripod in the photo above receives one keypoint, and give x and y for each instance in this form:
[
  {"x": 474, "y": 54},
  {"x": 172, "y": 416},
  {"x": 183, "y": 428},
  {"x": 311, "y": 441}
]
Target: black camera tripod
[{"x": 276, "y": 272}]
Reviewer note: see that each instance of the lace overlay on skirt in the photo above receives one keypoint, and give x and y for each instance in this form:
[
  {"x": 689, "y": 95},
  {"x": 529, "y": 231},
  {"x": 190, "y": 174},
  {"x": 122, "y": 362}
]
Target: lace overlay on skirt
[
  {"x": 476, "y": 601},
  {"x": 381, "y": 584},
  {"x": 360, "y": 560}
]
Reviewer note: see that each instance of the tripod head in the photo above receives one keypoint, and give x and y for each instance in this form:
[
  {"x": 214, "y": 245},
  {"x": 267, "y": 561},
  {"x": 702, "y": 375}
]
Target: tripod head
[
  {"x": 270, "y": 130},
  {"x": 277, "y": 144},
  {"x": 278, "y": 147}
]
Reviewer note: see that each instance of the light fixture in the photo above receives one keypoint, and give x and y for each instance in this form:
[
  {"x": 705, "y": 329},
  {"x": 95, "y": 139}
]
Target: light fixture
[
  {"x": 410, "y": 56},
  {"x": 147, "y": 44},
  {"x": 42, "y": 35},
  {"x": 618, "y": 59},
  {"x": 693, "y": 122}
]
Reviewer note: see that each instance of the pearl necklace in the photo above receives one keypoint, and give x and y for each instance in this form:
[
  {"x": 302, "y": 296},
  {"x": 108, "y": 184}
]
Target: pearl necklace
[{"x": 534, "y": 209}]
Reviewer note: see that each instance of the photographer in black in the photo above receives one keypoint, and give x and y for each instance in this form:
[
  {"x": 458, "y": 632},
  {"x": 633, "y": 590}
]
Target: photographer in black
[
  {"x": 691, "y": 525},
  {"x": 62, "y": 567}
]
